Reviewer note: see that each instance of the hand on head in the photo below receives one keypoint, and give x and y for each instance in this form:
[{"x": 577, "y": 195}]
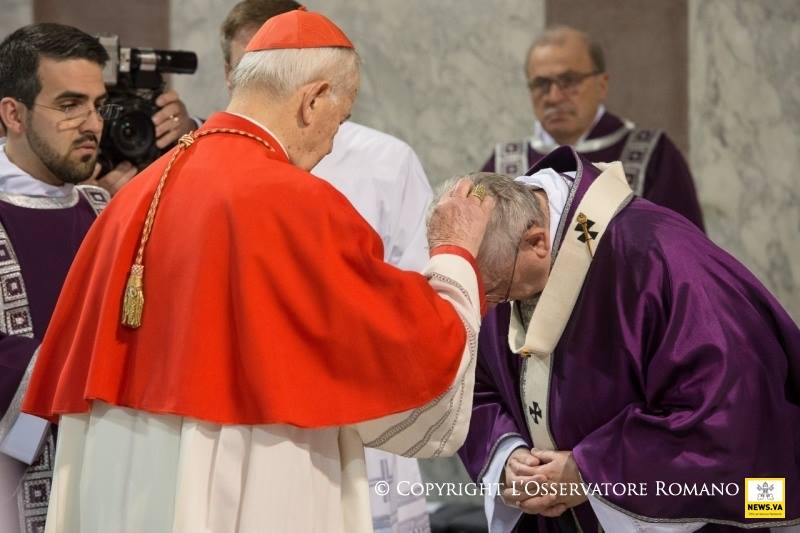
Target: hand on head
[{"x": 460, "y": 218}]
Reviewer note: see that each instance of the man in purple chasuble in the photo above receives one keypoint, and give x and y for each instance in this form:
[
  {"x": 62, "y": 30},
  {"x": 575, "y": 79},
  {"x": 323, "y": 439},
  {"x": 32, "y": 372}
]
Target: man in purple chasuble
[
  {"x": 651, "y": 358},
  {"x": 568, "y": 86},
  {"x": 52, "y": 108}
]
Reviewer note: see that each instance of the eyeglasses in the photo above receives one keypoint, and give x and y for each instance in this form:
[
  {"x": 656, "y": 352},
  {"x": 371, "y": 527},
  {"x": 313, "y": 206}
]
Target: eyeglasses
[
  {"x": 566, "y": 83},
  {"x": 76, "y": 114}
]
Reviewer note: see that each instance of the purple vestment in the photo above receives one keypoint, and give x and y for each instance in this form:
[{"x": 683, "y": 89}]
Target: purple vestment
[
  {"x": 39, "y": 237},
  {"x": 676, "y": 365},
  {"x": 44, "y": 242},
  {"x": 666, "y": 181}
]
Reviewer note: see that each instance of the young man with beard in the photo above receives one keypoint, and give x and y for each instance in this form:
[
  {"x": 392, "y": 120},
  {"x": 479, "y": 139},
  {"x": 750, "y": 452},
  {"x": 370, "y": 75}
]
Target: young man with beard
[{"x": 52, "y": 108}]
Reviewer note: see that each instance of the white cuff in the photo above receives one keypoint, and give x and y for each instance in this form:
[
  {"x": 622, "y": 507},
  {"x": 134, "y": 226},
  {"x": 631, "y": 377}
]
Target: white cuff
[
  {"x": 24, "y": 441},
  {"x": 500, "y": 517}
]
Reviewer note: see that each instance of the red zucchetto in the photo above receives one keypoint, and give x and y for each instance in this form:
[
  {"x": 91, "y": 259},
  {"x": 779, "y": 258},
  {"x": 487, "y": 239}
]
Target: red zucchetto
[{"x": 298, "y": 29}]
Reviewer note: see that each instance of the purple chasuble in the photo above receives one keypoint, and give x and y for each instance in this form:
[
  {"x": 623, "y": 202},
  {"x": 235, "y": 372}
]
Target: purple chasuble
[
  {"x": 667, "y": 180},
  {"x": 44, "y": 242},
  {"x": 38, "y": 241},
  {"x": 675, "y": 366}
]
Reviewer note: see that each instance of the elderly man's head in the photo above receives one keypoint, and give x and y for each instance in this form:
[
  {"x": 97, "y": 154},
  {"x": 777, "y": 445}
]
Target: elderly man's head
[
  {"x": 242, "y": 23},
  {"x": 301, "y": 94},
  {"x": 567, "y": 81},
  {"x": 514, "y": 257}
]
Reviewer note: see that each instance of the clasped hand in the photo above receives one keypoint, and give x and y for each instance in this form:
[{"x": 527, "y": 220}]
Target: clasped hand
[{"x": 541, "y": 482}]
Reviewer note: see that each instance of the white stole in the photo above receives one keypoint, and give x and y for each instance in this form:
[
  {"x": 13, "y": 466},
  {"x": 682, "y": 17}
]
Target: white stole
[{"x": 604, "y": 199}]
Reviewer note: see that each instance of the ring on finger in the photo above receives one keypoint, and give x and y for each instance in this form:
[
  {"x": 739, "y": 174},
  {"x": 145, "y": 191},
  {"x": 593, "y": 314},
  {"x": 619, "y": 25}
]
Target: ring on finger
[
  {"x": 479, "y": 192},
  {"x": 174, "y": 118}
]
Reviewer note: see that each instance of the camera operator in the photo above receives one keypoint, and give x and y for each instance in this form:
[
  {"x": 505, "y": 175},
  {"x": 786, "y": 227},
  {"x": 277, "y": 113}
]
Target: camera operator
[
  {"x": 150, "y": 120},
  {"x": 52, "y": 105},
  {"x": 170, "y": 121}
]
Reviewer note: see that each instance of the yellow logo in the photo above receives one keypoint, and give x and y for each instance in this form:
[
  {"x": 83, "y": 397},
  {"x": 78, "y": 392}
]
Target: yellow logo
[{"x": 764, "y": 497}]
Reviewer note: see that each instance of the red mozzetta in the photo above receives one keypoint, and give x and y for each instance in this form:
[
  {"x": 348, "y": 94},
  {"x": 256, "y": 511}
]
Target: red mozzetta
[{"x": 267, "y": 301}]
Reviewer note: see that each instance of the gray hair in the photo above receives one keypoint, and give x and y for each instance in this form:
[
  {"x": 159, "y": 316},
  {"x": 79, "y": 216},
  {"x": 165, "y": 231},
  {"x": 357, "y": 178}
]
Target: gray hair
[
  {"x": 283, "y": 71},
  {"x": 557, "y": 35},
  {"x": 516, "y": 210}
]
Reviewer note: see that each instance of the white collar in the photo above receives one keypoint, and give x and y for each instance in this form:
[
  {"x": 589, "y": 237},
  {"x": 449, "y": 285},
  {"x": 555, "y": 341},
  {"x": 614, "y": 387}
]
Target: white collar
[
  {"x": 263, "y": 127},
  {"x": 540, "y": 135},
  {"x": 14, "y": 180},
  {"x": 556, "y": 187}
]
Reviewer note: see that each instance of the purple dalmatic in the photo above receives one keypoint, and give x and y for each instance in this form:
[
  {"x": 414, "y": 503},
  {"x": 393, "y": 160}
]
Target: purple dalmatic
[
  {"x": 39, "y": 237},
  {"x": 676, "y": 366},
  {"x": 653, "y": 165}
]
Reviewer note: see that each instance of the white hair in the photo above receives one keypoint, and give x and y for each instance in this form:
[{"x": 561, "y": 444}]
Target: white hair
[
  {"x": 516, "y": 210},
  {"x": 283, "y": 71}
]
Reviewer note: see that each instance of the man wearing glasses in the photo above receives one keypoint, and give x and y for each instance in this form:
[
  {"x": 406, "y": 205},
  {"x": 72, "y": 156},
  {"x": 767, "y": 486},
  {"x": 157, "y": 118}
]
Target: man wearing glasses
[
  {"x": 52, "y": 108},
  {"x": 635, "y": 355},
  {"x": 568, "y": 86}
]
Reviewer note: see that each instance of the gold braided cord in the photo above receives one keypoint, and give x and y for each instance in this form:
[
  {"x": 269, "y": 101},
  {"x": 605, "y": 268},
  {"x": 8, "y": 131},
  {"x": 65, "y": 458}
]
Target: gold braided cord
[
  {"x": 183, "y": 143},
  {"x": 133, "y": 298}
]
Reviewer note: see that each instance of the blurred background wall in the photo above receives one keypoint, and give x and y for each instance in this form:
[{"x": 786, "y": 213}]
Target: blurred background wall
[
  {"x": 744, "y": 133},
  {"x": 720, "y": 76}
]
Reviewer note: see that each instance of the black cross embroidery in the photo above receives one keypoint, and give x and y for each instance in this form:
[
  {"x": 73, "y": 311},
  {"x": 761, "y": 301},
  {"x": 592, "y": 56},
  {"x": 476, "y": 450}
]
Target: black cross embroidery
[
  {"x": 535, "y": 412},
  {"x": 584, "y": 231}
]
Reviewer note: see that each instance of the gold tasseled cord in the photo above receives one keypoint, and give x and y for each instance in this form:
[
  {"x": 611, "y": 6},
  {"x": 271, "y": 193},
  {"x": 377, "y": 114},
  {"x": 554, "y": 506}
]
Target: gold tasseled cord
[{"x": 133, "y": 300}]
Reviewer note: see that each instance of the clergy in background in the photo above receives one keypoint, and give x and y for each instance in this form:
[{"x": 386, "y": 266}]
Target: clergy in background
[
  {"x": 650, "y": 357},
  {"x": 229, "y": 337},
  {"x": 568, "y": 84}
]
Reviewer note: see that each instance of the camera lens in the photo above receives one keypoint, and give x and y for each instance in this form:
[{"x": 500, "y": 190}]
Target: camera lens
[{"x": 133, "y": 134}]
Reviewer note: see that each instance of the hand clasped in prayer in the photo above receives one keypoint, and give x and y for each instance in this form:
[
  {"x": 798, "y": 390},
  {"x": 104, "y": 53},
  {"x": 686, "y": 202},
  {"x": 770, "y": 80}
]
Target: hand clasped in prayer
[{"x": 530, "y": 477}]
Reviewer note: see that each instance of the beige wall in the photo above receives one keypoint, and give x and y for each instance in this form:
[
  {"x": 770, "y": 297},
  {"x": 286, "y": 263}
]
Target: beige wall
[
  {"x": 445, "y": 76},
  {"x": 744, "y": 110},
  {"x": 143, "y": 23},
  {"x": 15, "y": 13},
  {"x": 646, "y": 56}
]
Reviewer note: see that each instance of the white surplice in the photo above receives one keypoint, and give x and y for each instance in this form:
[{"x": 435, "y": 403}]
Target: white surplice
[{"x": 126, "y": 471}]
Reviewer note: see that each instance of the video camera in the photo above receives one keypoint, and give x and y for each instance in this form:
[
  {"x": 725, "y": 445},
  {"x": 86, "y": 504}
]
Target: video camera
[{"x": 133, "y": 78}]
